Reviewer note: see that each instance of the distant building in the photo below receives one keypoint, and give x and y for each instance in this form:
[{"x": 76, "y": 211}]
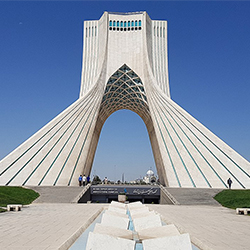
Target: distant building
[{"x": 150, "y": 177}]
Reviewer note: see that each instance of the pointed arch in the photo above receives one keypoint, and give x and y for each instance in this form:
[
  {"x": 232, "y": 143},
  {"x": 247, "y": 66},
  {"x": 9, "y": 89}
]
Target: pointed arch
[{"x": 124, "y": 90}]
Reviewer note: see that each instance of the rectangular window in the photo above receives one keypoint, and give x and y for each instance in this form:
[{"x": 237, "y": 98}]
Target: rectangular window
[
  {"x": 139, "y": 23},
  {"x": 136, "y": 23},
  {"x": 132, "y": 24},
  {"x": 121, "y": 23},
  {"x": 110, "y": 23},
  {"x": 125, "y": 24},
  {"x": 114, "y": 23},
  {"x": 128, "y": 23}
]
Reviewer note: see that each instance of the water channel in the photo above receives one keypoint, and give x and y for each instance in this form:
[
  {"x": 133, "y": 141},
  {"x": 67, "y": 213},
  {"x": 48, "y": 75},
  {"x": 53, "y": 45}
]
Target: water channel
[{"x": 81, "y": 242}]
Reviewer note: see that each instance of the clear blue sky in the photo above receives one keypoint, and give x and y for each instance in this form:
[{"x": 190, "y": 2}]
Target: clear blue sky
[{"x": 209, "y": 65}]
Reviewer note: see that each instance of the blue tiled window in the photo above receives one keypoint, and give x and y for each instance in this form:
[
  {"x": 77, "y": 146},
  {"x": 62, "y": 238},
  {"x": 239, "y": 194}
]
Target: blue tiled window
[{"x": 124, "y": 25}]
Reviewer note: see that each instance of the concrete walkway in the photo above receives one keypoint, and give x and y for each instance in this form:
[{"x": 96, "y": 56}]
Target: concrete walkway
[
  {"x": 56, "y": 226},
  {"x": 45, "y": 226},
  {"x": 194, "y": 196},
  {"x": 210, "y": 227},
  {"x": 57, "y": 194}
]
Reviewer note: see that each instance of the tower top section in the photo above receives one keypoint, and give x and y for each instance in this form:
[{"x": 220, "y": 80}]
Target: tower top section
[
  {"x": 125, "y": 38},
  {"x": 127, "y": 13}
]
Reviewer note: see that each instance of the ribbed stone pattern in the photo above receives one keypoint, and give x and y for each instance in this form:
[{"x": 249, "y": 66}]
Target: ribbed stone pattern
[{"x": 125, "y": 69}]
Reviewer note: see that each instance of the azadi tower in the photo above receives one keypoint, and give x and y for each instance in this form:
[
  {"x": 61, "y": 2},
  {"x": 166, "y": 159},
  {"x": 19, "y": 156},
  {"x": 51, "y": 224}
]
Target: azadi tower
[{"x": 125, "y": 66}]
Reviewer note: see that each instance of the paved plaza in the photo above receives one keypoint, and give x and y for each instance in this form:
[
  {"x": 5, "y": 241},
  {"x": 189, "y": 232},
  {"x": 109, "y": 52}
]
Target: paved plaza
[
  {"x": 210, "y": 227},
  {"x": 56, "y": 226},
  {"x": 46, "y": 226}
]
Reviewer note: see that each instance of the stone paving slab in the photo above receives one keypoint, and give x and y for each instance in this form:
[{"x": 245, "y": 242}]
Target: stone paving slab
[
  {"x": 116, "y": 214},
  {"x": 113, "y": 231},
  {"x": 158, "y": 232},
  {"x": 139, "y": 215},
  {"x": 135, "y": 205},
  {"x": 118, "y": 204},
  {"x": 117, "y": 209},
  {"x": 176, "y": 242},
  {"x": 102, "y": 242},
  {"x": 152, "y": 220},
  {"x": 210, "y": 227},
  {"x": 139, "y": 211},
  {"x": 114, "y": 221},
  {"x": 46, "y": 226}
]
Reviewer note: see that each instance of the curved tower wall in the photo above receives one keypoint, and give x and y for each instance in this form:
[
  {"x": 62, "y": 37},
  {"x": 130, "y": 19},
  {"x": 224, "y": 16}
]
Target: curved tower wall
[
  {"x": 125, "y": 69},
  {"x": 104, "y": 44}
]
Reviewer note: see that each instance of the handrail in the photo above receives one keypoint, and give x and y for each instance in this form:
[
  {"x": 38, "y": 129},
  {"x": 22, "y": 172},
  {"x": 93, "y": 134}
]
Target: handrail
[
  {"x": 170, "y": 196},
  {"x": 84, "y": 190}
]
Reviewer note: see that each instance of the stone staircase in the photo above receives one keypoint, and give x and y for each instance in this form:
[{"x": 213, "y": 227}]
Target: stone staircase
[
  {"x": 194, "y": 196},
  {"x": 57, "y": 194},
  {"x": 176, "y": 196}
]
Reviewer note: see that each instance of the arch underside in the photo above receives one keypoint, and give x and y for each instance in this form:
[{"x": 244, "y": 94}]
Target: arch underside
[
  {"x": 186, "y": 153},
  {"x": 125, "y": 90}
]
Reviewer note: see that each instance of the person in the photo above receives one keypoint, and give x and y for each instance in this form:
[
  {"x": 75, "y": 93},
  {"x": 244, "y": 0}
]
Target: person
[
  {"x": 106, "y": 180},
  {"x": 84, "y": 180},
  {"x": 80, "y": 180},
  {"x": 229, "y": 182},
  {"x": 88, "y": 179}
]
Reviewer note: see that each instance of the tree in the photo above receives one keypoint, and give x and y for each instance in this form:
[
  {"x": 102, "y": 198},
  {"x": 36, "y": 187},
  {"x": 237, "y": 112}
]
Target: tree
[{"x": 96, "y": 180}]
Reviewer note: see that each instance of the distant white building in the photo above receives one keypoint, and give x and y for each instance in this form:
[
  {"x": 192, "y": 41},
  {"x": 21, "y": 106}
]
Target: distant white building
[
  {"x": 149, "y": 177},
  {"x": 125, "y": 66}
]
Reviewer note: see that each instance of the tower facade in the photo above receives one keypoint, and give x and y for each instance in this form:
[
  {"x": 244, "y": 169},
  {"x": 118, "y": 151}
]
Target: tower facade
[{"x": 125, "y": 66}]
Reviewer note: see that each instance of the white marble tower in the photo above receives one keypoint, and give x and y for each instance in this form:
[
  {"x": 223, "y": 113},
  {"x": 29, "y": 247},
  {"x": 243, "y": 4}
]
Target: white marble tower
[{"x": 125, "y": 66}]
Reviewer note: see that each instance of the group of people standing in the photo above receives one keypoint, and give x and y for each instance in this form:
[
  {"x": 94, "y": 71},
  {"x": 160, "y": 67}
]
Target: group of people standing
[{"x": 83, "y": 180}]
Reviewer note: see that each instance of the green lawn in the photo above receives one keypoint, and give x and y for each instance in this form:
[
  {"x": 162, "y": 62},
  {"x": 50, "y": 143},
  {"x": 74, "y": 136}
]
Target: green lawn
[
  {"x": 16, "y": 195},
  {"x": 234, "y": 198}
]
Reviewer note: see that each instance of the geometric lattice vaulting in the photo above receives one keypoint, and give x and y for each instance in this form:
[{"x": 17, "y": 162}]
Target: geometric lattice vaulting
[
  {"x": 124, "y": 90},
  {"x": 125, "y": 66}
]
